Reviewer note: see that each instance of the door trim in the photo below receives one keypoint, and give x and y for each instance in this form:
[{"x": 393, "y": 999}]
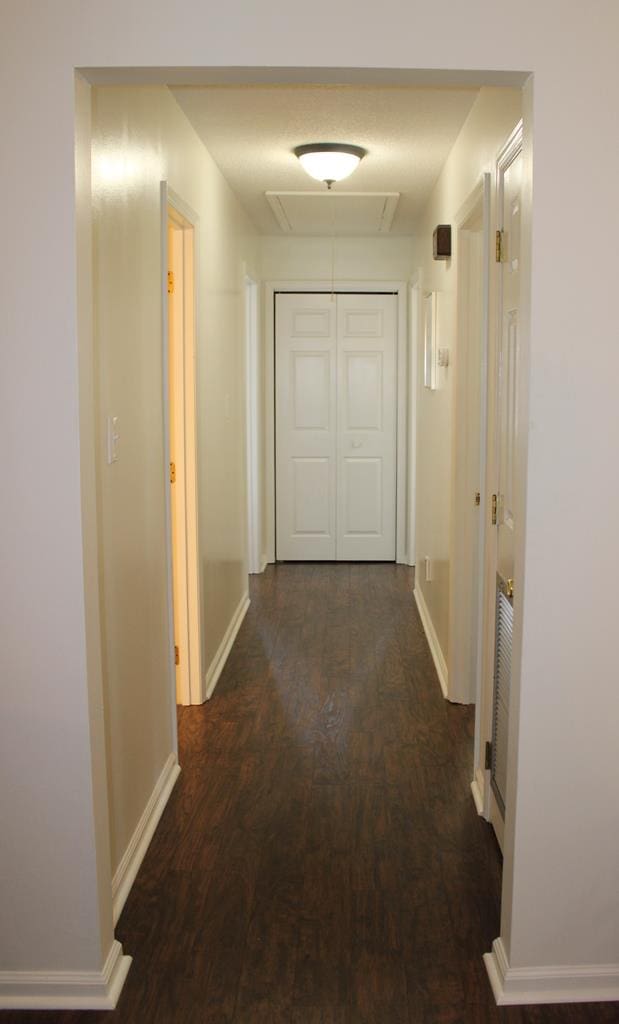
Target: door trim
[
  {"x": 462, "y": 689},
  {"x": 400, "y": 289},
  {"x": 255, "y": 559},
  {"x": 414, "y": 330},
  {"x": 194, "y": 688},
  {"x": 484, "y": 709}
]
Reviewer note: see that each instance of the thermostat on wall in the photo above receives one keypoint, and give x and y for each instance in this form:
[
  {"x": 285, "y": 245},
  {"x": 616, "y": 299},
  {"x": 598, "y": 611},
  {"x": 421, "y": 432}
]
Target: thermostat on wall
[{"x": 441, "y": 242}]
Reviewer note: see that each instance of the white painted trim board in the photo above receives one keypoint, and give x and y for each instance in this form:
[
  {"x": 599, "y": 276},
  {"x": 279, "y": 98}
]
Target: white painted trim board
[
  {"x": 521, "y": 986},
  {"x": 66, "y": 990},
  {"x": 218, "y": 662},
  {"x": 435, "y": 647},
  {"x": 132, "y": 858}
]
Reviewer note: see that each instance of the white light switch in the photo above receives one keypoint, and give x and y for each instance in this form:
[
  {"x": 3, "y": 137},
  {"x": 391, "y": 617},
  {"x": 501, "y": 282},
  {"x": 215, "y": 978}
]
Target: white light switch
[{"x": 113, "y": 438}]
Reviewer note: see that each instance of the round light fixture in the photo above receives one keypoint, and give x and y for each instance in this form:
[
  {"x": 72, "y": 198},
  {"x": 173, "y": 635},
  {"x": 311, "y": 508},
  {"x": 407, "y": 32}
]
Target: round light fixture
[{"x": 329, "y": 161}]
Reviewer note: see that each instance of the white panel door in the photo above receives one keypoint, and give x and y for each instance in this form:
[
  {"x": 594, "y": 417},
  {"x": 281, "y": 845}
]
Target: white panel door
[
  {"x": 509, "y": 181},
  {"x": 305, "y": 426},
  {"x": 366, "y": 400},
  {"x": 335, "y": 427}
]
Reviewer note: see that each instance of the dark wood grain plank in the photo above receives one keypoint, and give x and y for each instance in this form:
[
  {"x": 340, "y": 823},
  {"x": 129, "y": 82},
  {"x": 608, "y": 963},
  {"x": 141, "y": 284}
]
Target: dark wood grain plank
[{"x": 320, "y": 860}]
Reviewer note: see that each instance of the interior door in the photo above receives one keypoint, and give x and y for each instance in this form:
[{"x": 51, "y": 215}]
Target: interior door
[
  {"x": 509, "y": 186},
  {"x": 335, "y": 426},
  {"x": 366, "y": 407},
  {"x": 305, "y": 426}
]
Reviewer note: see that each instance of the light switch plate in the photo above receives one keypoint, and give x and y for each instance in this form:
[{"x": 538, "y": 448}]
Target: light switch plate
[{"x": 113, "y": 438}]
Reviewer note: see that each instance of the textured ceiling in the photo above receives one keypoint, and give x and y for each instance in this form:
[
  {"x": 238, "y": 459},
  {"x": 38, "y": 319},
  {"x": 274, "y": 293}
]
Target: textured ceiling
[{"x": 251, "y": 131}]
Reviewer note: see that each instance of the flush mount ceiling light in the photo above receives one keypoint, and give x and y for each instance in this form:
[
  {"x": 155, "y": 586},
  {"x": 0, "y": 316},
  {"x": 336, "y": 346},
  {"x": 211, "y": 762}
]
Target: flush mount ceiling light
[{"x": 329, "y": 161}]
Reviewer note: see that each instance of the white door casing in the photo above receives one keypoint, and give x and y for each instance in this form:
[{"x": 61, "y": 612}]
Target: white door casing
[
  {"x": 180, "y": 255},
  {"x": 335, "y": 426},
  {"x": 509, "y": 204}
]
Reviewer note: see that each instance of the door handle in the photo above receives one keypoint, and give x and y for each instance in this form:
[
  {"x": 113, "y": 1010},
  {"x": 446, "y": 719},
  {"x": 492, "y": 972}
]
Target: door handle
[{"x": 357, "y": 444}]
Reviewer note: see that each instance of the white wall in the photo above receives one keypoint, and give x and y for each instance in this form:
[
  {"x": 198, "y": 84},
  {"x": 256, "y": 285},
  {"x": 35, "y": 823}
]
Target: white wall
[
  {"x": 561, "y": 872},
  {"x": 491, "y": 119},
  {"x": 286, "y": 258},
  {"x": 140, "y": 137}
]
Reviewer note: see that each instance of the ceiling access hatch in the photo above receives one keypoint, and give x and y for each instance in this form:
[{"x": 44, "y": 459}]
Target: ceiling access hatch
[{"x": 333, "y": 213}]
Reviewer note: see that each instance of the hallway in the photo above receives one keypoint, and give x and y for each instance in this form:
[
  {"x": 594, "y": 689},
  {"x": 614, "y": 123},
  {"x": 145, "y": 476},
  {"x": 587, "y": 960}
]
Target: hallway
[{"x": 320, "y": 860}]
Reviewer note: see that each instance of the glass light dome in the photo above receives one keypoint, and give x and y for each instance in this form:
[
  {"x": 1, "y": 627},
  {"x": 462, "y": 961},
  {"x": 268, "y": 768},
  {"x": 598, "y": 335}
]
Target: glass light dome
[{"x": 329, "y": 161}]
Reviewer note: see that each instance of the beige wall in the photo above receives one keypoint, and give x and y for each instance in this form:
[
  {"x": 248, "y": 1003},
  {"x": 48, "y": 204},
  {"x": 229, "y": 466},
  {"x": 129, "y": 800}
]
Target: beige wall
[
  {"x": 140, "y": 137},
  {"x": 286, "y": 258},
  {"x": 492, "y": 117},
  {"x": 561, "y": 873}
]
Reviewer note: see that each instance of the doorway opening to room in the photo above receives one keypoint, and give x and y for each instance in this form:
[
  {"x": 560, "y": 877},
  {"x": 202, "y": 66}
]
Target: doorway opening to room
[
  {"x": 182, "y": 496},
  {"x": 329, "y": 422}
]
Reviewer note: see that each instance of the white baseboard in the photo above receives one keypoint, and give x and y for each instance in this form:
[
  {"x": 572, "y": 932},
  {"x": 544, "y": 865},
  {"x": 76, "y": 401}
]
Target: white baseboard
[
  {"x": 66, "y": 990},
  {"x": 263, "y": 563},
  {"x": 513, "y": 986},
  {"x": 218, "y": 662},
  {"x": 435, "y": 648},
  {"x": 477, "y": 797},
  {"x": 131, "y": 861}
]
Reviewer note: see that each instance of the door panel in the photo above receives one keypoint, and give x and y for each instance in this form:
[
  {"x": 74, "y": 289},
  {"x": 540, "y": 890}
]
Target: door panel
[
  {"x": 311, "y": 497},
  {"x": 363, "y": 398},
  {"x": 305, "y": 402},
  {"x": 335, "y": 427},
  {"x": 362, "y": 499},
  {"x": 366, "y": 495},
  {"x": 310, "y": 390}
]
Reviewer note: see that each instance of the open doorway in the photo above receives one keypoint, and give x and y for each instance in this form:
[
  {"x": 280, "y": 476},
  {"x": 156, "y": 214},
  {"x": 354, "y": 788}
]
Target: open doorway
[
  {"x": 292, "y": 262},
  {"x": 255, "y": 563},
  {"x": 181, "y": 402}
]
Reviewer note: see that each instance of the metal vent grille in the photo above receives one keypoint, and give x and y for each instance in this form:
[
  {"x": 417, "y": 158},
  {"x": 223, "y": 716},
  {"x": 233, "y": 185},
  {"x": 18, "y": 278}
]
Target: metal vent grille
[{"x": 502, "y": 683}]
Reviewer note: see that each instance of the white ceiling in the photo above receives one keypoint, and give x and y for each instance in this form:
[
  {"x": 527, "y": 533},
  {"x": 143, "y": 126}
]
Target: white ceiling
[{"x": 251, "y": 131}]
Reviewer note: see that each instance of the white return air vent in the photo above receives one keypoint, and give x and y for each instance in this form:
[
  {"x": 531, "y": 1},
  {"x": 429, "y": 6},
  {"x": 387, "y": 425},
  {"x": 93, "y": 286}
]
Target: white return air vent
[
  {"x": 502, "y": 686},
  {"x": 333, "y": 213}
]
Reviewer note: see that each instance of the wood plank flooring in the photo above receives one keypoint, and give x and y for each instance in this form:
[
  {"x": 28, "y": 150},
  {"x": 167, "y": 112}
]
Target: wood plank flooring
[{"x": 320, "y": 860}]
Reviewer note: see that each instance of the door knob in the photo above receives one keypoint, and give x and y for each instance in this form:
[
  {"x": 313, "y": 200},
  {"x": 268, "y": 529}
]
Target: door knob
[{"x": 357, "y": 444}]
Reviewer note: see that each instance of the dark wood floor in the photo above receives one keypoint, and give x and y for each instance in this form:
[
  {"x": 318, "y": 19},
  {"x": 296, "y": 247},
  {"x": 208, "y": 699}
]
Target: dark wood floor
[{"x": 320, "y": 860}]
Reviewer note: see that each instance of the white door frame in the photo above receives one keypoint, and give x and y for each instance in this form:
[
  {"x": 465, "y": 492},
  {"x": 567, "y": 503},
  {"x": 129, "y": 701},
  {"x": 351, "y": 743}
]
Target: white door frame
[
  {"x": 461, "y": 688},
  {"x": 255, "y": 560},
  {"x": 479, "y": 200},
  {"x": 271, "y": 288},
  {"x": 415, "y": 334},
  {"x": 193, "y": 689}
]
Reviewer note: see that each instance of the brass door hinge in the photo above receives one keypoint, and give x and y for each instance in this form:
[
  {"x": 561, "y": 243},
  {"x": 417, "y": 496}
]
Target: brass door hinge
[
  {"x": 499, "y": 247},
  {"x": 477, "y": 498},
  {"x": 494, "y": 508},
  {"x": 509, "y": 588},
  {"x": 172, "y": 472},
  {"x": 177, "y": 656},
  {"x": 170, "y": 281}
]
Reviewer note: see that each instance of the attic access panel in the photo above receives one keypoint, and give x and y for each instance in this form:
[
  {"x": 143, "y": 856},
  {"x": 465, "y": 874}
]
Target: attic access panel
[{"x": 333, "y": 213}]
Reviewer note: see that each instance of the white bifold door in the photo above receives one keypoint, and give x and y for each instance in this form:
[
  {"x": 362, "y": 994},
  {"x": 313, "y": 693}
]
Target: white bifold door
[{"x": 335, "y": 426}]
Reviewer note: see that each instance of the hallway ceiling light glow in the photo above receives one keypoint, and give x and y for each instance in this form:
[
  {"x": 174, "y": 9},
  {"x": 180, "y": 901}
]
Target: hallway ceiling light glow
[{"x": 329, "y": 161}]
